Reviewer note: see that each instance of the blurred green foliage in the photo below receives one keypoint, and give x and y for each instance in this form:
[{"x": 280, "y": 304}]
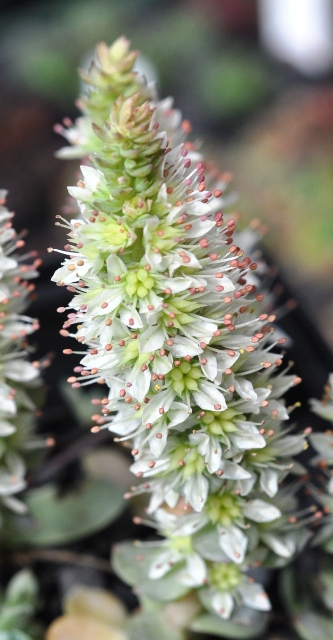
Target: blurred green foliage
[
  {"x": 17, "y": 608},
  {"x": 45, "y": 44}
]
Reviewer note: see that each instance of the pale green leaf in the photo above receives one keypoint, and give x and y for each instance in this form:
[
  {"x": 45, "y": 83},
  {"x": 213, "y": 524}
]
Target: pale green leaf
[
  {"x": 312, "y": 626},
  {"x": 22, "y": 588},
  {"x": 326, "y": 578},
  {"x": 289, "y": 592},
  {"x": 328, "y": 546},
  {"x": 150, "y": 626},
  {"x": 54, "y": 520},
  {"x": 251, "y": 627},
  {"x": 16, "y": 616},
  {"x": 132, "y": 561}
]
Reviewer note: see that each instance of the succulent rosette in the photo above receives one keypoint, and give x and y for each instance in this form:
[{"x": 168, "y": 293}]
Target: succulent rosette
[
  {"x": 167, "y": 307},
  {"x": 18, "y": 376}
]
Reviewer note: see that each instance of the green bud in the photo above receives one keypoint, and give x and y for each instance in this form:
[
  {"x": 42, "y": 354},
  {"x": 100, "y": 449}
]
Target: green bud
[{"x": 225, "y": 576}]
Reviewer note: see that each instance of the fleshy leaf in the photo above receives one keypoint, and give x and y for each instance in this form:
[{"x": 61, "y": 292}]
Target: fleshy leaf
[
  {"x": 150, "y": 625},
  {"x": 251, "y": 626},
  {"x": 131, "y": 562},
  {"x": 54, "y": 520},
  {"x": 311, "y": 626},
  {"x": 326, "y": 578}
]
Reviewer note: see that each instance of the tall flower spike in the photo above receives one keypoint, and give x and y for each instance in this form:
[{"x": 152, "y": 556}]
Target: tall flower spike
[
  {"x": 166, "y": 303},
  {"x": 18, "y": 377}
]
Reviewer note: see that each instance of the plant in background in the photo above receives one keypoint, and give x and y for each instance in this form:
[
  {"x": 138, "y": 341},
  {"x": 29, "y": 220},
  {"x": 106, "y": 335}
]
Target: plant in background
[
  {"x": 17, "y": 608},
  {"x": 307, "y": 586},
  {"x": 19, "y": 378},
  {"x": 311, "y": 601},
  {"x": 166, "y": 304}
]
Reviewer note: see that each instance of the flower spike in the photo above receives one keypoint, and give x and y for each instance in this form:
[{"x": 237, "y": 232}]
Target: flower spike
[
  {"x": 18, "y": 376},
  {"x": 166, "y": 305}
]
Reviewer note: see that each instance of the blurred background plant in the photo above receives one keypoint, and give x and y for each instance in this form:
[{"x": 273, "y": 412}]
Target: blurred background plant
[
  {"x": 306, "y": 586},
  {"x": 18, "y": 604}
]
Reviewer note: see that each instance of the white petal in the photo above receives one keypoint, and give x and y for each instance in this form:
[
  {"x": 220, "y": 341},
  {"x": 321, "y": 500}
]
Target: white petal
[
  {"x": 6, "y": 403},
  {"x": 92, "y": 177},
  {"x": 178, "y": 284},
  {"x": 163, "y": 563},
  {"x": 162, "y": 493},
  {"x": 236, "y": 341},
  {"x": 197, "y": 571},
  {"x": 162, "y": 365},
  {"x": 113, "y": 298},
  {"x": 80, "y": 194},
  {"x": 157, "y": 445},
  {"x": 323, "y": 444},
  {"x": 254, "y": 596},
  {"x": 279, "y": 408},
  {"x": 124, "y": 422},
  {"x": 140, "y": 383},
  {"x": 151, "y": 339},
  {"x": 115, "y": 265},
  {"x": 141, "y": 466},
  {"x": 8, "y": 486},
  {"x": 225, "y": 361},
  {"x": 15, "y": 505},
  {"x": 177, "y": 414},
  {"x": 196, "y": 491},
  {"x": 7, "y": 263},
  {"x": 189, "y": 524},
  {"x": 203, "y": 330},
  {"x": 163, "y": 399},
  {"x": 199, "y": 228},
  {"x": 234, "y": 471},
  {"x": 184, "y": 347},
  {"x": 269, "y": 479},
  {"x": 246, "y": 485},
  {"x": 20, "y": 370},
  {"x": 281, "y": 545},
  {"x": 233, "y": 543},
  {"x": 245, "y": 441},
  {"x": 323, "y": 410},
  {"x": 130, "y": 318},
  {"x": 222, "y": 602},
  {"x": 6, "y": 428},
  {"x": 210, "y": 368},
  {"x": 209, "y": 397},
  {"x": 261, "y": 511},
  {"x": 165, "y": 519},
  {"x": 64, "y": 275},
  {"x": 289, "y": 445},
  {"x": 245, "y": 389}
]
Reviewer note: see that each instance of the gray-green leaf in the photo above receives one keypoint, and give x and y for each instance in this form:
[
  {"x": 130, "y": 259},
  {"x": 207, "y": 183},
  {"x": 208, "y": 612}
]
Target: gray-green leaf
[
  {"x": 209, "y": 623},
  {"x": 149, "y": 626},
  {"x": 131, "y": 562},
  {"x": 312, "y": 626},
  {"x": 57, "y": 520}
]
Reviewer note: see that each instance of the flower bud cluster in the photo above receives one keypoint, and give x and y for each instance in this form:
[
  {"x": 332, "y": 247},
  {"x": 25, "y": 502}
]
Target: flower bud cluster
[
  {"x": 166, "y": 304},
  {"x": 18, "y": 377}
]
